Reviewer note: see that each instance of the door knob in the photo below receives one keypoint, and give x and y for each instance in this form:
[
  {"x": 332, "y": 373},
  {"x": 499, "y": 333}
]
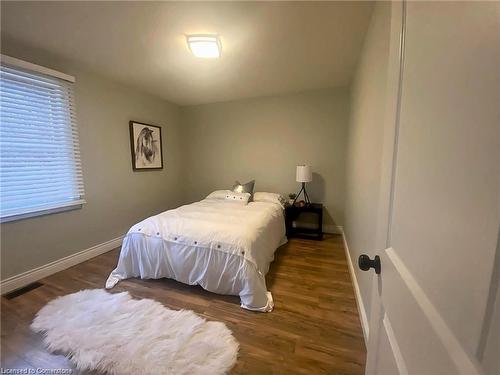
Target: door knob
[{"x": 365, "y": 263}]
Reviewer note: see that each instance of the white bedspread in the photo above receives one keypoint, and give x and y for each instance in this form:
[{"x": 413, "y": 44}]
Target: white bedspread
[{"x": 223, "y": 246}]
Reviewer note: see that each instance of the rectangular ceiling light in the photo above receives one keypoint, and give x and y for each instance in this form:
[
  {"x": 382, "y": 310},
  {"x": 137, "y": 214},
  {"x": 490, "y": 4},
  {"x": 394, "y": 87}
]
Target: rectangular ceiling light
[{"x": 205, "y": 46}]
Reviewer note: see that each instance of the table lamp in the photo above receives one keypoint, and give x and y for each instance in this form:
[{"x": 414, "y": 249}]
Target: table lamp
[{"x": 304, "y": 174}]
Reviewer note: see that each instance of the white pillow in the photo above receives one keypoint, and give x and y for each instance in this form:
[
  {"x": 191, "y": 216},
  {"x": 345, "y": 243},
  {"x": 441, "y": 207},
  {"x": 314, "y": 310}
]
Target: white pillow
[
  {"x": 269, "y": 197},
  {"x": 218, "y": 194},
  {"x": 240, "y": 198}
]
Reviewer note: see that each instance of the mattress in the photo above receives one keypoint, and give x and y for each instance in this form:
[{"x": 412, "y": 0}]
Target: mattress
[{"x": 224, "y": 247}]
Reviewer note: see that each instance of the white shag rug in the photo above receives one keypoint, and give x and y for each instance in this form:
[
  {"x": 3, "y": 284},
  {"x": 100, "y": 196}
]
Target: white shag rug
[{"x": 117, "y": 334}]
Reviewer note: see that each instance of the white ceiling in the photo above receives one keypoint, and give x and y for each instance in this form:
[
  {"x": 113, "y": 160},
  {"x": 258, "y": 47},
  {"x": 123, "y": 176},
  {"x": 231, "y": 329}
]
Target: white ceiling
[{"x": 268, "y": 47}]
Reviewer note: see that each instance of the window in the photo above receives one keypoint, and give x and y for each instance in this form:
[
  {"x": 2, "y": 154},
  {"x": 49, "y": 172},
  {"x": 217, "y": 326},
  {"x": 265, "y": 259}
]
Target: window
[{"x": 40, "y": 168}]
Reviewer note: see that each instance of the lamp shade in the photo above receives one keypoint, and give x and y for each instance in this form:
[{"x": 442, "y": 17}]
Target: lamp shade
[{"x": 304, "y": 173}]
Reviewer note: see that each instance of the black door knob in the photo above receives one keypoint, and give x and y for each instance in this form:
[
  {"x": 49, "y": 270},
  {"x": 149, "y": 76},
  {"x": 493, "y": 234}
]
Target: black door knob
[{"x": 365, "y": 263}]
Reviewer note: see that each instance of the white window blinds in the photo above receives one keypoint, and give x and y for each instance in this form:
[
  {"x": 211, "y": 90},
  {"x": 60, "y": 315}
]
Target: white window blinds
[{"x": 40, "y": 167}]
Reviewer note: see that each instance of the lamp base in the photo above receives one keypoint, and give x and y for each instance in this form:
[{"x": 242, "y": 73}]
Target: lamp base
[{"x": 306, "y": 196}]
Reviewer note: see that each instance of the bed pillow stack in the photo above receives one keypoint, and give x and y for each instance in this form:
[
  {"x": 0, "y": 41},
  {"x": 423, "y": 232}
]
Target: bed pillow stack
[
  {"x": 229, "y": 195},
  {"x": 244, "y": 188},
  {"x": 244, "y": 198},
  {"x": 240, "y": 198}
]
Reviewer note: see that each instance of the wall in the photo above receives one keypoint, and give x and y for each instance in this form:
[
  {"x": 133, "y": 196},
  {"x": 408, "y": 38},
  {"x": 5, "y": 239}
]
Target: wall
[
  {"x": 116, "y": 196},
  {"x": 264, "y": 139},
  {"x": 364, "y": 177}
]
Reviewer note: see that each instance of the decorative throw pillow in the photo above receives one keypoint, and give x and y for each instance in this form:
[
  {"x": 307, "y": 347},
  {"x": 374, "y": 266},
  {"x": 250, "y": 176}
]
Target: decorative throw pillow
[
  {"x": 240, "y": 198},
  {"x": 244, "y": 188}
]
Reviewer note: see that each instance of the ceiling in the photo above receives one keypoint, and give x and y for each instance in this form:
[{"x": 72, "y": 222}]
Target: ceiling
[{"x": 268, "y": 47}]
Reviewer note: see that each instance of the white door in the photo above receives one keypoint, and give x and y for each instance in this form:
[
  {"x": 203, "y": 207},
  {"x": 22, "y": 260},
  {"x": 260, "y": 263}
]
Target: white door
[{"x": 435, "y": 306}]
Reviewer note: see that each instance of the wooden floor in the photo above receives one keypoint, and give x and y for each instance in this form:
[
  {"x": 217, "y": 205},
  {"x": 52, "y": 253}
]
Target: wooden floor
[{"x": 314, "y": 328}]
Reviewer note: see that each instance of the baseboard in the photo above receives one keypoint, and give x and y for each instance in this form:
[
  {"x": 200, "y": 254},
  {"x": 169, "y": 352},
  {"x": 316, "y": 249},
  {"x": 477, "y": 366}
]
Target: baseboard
[
  {"x": 359, "y": 300},
  {"x": 28, "y": 277}
]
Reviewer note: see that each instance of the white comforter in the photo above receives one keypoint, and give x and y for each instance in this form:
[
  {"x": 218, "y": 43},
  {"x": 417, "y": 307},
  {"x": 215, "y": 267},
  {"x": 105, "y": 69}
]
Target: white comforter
[{"x": 223, "y": 246}]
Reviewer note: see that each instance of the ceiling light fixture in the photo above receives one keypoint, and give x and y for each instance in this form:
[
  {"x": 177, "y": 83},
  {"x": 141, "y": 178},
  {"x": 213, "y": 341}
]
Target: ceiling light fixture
[{"x": 205, "y": 46}]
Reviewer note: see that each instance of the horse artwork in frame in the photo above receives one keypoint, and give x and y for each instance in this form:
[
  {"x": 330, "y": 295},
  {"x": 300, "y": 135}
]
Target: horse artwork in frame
[{"x": 145, "y": 144}]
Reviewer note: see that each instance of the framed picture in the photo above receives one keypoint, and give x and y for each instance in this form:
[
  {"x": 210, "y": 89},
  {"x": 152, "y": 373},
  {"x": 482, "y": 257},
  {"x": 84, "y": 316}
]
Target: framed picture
[{"x": 145, "y": 144}]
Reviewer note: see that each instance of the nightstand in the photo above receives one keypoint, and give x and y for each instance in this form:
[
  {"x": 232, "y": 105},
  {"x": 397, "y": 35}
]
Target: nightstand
[{"x": 292, "y": 213}]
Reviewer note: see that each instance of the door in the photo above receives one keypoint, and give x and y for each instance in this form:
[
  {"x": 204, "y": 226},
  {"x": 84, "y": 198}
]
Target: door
[{"x": 434, "y": 303}]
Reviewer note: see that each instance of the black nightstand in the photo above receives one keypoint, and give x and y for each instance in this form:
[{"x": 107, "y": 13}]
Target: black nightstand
[{"x": 293, "y": 212}]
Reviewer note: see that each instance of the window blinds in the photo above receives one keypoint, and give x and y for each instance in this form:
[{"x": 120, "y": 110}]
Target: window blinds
[{"x": 40, "y": 166}]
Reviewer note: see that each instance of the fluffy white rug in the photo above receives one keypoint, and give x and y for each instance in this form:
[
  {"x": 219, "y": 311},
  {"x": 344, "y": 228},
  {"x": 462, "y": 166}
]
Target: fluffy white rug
[{"x": 117, "y": 334}]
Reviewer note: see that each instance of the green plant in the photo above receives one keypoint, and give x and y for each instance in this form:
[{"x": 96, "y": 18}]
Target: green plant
[{"x": 292, "y": 195}]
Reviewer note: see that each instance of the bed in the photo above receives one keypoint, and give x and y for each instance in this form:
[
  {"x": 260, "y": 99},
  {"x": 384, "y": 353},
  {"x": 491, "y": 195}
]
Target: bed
[{"x": 223, "y": 246}]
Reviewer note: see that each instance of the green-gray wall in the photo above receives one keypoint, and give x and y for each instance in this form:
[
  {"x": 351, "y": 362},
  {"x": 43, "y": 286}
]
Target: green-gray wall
[
  {"x": 264, "y": 139},
  {"x": 116, "y": 196},
  {"x": 365, "y": 146}
]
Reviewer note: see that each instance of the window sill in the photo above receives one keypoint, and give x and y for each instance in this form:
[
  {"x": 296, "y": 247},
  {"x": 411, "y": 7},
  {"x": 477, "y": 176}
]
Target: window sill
[{"x": 75, "y": 205}]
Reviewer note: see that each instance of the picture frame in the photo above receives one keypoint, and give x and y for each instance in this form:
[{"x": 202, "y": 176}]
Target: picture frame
[{"x": 145, "y": 146}]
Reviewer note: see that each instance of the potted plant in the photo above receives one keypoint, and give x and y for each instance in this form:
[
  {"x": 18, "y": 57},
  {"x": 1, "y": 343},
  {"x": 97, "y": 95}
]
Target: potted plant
[{"x": 291, "y": 197}]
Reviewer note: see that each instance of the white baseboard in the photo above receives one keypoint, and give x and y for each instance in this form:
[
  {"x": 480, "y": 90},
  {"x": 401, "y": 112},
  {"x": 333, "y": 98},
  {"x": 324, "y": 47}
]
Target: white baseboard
[
  {"x": 359, "y": 300},
  {"x": 28, "y": 277}
]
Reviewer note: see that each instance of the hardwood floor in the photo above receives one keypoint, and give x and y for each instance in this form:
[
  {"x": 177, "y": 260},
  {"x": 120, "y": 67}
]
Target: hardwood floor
[{"x": 314, "y": 328}]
